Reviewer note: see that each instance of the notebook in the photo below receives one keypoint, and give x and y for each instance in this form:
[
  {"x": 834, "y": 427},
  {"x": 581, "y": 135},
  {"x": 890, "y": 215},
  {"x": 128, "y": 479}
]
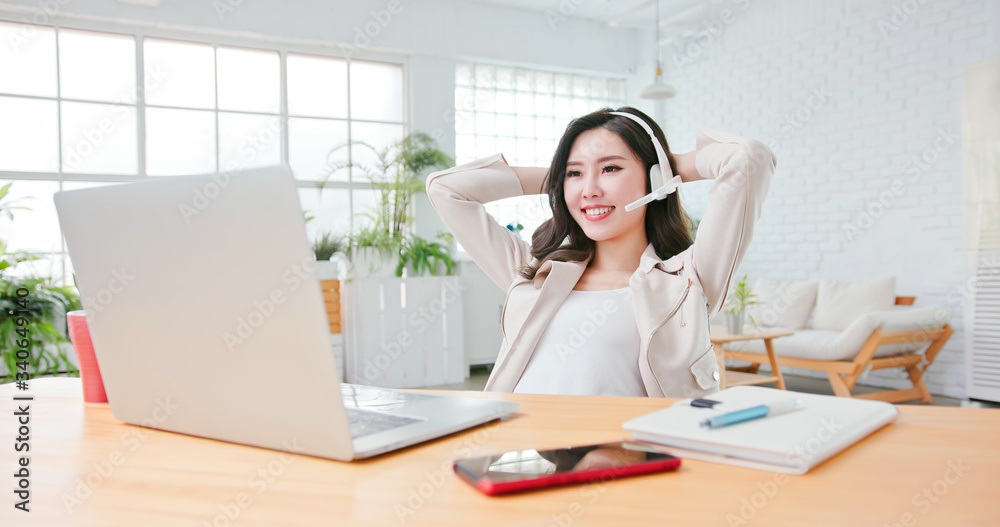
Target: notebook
[{"x": 791, "y": 443}]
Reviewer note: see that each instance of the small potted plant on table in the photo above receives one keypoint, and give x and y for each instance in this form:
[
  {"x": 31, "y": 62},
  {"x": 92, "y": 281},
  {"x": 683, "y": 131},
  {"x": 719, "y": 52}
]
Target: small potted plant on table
[{"x": 741, "y": 299}]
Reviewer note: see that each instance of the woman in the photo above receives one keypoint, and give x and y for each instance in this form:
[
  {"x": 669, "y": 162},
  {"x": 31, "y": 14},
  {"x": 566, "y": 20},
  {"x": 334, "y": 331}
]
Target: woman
[{"x": 607, "y": 301}]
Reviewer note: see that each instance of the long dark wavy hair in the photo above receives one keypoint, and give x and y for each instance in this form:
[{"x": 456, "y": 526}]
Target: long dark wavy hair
[{"x": 560, "y": 238}]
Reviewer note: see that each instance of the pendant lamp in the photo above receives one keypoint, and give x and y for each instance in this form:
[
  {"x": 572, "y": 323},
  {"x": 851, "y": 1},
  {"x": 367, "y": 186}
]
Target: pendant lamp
[{"x": 659, "y": 89}]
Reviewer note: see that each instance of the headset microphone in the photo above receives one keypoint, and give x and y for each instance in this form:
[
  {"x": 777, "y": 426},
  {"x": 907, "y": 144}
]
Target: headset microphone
[{"x": 658, "y": 173}]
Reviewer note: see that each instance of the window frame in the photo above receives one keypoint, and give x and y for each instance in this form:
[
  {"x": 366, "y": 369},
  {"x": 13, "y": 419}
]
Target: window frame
[{"x": 215, "y": 38}]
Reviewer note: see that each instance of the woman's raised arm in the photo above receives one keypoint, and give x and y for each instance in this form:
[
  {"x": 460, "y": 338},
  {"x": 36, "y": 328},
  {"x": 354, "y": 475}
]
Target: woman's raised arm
[
  {"x": 686, "y": 168},
  {"x": 742, "y": 169},
  {"x": 531, "y": 179},
  {"x": 458, "y": 195}
]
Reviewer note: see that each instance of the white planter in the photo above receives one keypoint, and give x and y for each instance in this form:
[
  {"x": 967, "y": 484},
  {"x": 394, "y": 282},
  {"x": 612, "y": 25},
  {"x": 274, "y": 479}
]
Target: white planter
[
  {"x": 327, "y": 269},
  {"x": 367, "y": 262},
  {"x": 403, "y": 332},
  {"x": 734, "y": 323},
  {"x": 440, "y": 270}
]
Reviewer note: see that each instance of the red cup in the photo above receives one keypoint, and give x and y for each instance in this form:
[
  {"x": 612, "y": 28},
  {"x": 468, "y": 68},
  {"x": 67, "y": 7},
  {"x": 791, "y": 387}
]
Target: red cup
[{"x": 79, "y": 334}]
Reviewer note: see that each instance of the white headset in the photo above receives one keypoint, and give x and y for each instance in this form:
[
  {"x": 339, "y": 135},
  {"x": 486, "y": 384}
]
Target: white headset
[{"x": 657, "y": 173}]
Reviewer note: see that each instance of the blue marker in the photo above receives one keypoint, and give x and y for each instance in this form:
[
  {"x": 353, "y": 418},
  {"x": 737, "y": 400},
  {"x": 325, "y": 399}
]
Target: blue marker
[{"x": 755, "y": 412}]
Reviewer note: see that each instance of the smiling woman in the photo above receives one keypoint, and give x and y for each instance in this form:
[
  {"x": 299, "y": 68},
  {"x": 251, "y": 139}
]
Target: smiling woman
[
  {"x": 600, "y": 167},
  {"x": 595, "y": 188},
  {"x": 614, "y": 272}
]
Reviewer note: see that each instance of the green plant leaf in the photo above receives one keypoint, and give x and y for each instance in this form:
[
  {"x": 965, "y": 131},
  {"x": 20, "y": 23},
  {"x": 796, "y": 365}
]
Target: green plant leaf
[
  {"x": 45, "y": 303},
  {"x": 394, "y": 173},
  {"x": 327, "y": 244}
]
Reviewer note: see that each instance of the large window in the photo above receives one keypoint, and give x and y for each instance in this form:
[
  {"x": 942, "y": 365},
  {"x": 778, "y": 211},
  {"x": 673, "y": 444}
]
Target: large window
[
  {"x": 85, "y": 108},
  {"x": 522, "y": 113}
]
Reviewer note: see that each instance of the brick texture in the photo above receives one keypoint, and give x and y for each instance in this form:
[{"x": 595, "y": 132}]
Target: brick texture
[{"x": 861, "y": 102}]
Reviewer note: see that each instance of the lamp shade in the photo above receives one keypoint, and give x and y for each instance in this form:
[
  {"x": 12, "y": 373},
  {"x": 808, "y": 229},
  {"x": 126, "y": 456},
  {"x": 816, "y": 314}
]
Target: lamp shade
[{"x": 658, "y": 90}]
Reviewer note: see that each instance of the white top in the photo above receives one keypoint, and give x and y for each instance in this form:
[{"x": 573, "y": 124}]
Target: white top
[{"x": 590, "y": 347}]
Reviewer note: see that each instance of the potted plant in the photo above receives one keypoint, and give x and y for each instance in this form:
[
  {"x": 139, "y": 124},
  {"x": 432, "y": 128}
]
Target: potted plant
[
  {"x": 424, "y": 256},
  {"x": 325, "y": 247},
  {"x": 34, "y": 313},
  {"x": 41, "y": 307},
  {"x": 741, "y": 299},
  {"x": 372, "y": 250},
  {"x": 395, "y": 175}
]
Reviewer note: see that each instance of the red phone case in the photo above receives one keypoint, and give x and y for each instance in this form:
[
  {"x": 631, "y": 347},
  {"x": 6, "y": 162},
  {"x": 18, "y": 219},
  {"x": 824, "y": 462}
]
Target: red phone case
[{"x": 493, "y": 488}]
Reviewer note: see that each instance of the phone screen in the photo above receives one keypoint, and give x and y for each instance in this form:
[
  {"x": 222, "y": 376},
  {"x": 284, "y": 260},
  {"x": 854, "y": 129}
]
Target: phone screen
[{"x": 526, "y": 469}]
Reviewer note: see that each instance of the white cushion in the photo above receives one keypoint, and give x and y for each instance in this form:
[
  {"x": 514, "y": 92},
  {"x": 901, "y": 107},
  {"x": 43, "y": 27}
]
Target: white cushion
[
  {"x": 839, "y": 303},
  {"x": 805, "y": 343},
  {"x": 783, "y": 303},
  {"x": 820, "y": 344},
  {"x": 896, "y": 320}
]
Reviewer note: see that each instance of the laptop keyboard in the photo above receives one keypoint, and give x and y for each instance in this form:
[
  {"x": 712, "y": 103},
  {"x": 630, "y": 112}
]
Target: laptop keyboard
[
  {"x": 380, "y": 399},
  {"x": 364, "y": 422}
]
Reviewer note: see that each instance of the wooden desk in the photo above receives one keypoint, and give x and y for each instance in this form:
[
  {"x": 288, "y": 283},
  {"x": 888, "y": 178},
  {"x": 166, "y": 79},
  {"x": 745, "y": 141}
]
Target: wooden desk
[
  {"x": 736, "y": 378},
  {"x": 132, "y": 476}
]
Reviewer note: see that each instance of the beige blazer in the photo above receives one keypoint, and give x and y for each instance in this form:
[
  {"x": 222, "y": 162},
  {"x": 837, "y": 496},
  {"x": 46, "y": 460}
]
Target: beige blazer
[{"x": 672, "y": 298}]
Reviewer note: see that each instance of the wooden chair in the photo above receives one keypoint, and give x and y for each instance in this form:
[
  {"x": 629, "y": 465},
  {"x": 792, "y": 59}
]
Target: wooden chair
[
  {"x": 331, "y": 295},
  {"x": 844, "y": 374}
]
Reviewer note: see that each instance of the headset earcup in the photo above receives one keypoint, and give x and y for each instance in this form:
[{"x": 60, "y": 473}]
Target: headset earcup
[{"x": 655, "y": 177}]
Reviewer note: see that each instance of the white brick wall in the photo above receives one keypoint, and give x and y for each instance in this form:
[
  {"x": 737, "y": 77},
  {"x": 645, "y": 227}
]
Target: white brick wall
[{"x": 849, "y": 94}]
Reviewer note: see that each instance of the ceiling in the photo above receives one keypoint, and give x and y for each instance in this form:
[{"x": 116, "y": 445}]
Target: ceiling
[{"x": 677, "y": 17}]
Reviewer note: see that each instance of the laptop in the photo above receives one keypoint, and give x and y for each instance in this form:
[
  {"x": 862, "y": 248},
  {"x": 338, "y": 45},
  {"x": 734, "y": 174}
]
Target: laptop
[{"x": 207, "y": 319}]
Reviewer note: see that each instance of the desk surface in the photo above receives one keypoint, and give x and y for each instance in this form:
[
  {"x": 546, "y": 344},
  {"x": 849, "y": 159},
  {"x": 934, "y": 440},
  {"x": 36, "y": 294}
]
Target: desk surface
[{"x": 933, "y": 466}]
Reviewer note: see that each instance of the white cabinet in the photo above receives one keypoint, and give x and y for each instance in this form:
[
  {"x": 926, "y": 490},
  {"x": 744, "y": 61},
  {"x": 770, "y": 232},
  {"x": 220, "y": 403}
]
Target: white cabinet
[
  {"x": 482, "y": 303},
  {"x": 980, "y": 293},
  {"x": 337, "y": 343},
  {"x": 403, "y": 332}
]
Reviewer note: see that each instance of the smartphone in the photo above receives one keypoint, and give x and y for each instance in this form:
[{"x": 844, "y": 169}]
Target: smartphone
[{"x": 532, "y": 469}]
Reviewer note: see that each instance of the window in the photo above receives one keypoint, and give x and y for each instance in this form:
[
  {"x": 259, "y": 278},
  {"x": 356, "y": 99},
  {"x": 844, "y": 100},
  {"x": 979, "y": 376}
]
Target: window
[
  {"x": 522, "y": 113},
  {"x": 75, "y": 115}
]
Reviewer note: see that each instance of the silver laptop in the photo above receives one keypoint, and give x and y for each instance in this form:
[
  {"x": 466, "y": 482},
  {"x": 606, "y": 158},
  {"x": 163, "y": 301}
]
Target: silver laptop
[{"x": 207, "y": 319}]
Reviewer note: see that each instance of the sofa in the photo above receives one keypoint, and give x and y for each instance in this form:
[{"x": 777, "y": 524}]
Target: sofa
[{"x": 845, "y": 328}]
